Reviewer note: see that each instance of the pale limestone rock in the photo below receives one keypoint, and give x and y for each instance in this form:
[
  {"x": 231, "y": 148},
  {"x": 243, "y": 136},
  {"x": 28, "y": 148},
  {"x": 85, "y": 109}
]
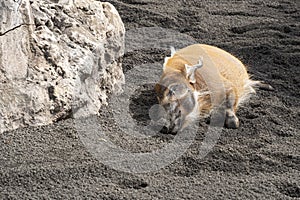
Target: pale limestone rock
[{"x": 57, "y": 57}]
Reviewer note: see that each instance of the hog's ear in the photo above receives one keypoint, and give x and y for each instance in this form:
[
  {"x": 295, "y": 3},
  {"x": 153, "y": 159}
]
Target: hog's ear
[
  {"x": 159, "y": 91},
  {"x": 157, "y": 88},
  {"x": 191, "y": 70}
]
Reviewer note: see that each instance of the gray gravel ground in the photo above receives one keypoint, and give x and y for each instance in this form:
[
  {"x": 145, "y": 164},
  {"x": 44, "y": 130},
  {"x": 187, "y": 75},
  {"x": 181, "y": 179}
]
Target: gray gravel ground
[{"x": 260, "y": 160}]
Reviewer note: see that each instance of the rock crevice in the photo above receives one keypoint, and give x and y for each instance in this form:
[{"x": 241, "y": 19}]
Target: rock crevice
[{"x": 14, "y": 28}]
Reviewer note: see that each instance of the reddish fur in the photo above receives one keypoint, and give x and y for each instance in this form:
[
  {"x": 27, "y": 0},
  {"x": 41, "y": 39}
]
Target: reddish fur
[{"x": 232, "y": 72}]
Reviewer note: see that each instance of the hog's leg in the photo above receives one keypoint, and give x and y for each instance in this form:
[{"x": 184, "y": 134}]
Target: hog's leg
[{"x": 231, "y": 120}]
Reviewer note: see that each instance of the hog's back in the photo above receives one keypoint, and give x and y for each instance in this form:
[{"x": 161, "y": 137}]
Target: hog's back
[{"x": 230, "y": 69}]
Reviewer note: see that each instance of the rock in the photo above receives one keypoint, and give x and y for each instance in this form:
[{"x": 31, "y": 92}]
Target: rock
[{"x": 57, "y": 58}]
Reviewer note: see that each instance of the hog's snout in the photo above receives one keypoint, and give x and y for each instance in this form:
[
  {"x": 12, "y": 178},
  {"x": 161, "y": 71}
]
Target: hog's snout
[
  {"x": 176, "y": 122},
  {"x": 174, "y": 117}
]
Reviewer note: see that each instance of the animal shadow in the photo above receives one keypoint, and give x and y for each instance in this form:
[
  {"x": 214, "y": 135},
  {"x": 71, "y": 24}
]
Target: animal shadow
[{"x": 141, "y": 102}]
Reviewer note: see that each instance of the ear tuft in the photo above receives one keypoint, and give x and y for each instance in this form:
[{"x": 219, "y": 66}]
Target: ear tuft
[
  {"x": 166, "y": 61},
  {"x": 173, "y": 51}
]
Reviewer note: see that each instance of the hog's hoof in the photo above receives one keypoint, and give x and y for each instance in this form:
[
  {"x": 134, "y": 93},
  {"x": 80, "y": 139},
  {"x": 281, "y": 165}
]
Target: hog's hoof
[{"x": 231, "y": 121}]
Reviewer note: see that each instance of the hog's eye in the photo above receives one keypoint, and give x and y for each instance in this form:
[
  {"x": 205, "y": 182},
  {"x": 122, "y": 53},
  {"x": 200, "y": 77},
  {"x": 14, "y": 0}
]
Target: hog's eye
[
  {"x": 178, "y": 90},
  {"x": 171, "y": 92}
]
